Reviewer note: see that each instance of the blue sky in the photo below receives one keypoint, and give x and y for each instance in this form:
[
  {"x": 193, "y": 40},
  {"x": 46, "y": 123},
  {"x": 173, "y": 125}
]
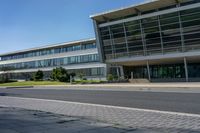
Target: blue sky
[{"x": 31, "y": 23}]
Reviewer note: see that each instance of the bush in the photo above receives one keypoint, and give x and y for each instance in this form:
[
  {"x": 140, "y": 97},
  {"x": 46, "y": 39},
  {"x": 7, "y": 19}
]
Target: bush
[
  {"x": 60, "y": 74},
  {"x": 4, "y": 78},
  {"x": 38, "y": 76},
  {"x": 84, "y": 78},
  {"x": 110, "y": 77}
]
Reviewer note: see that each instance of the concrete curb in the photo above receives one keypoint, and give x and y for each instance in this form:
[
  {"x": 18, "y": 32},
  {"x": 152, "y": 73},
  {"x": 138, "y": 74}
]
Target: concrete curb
[
  {"x": 13, "y": 87},
  {"x": 127, "y": 85}
]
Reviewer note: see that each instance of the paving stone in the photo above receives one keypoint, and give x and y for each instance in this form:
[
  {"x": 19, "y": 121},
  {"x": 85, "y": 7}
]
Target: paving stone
[
  {"x": 105, "y": 130},
  {"x": 8, "y": 131}
]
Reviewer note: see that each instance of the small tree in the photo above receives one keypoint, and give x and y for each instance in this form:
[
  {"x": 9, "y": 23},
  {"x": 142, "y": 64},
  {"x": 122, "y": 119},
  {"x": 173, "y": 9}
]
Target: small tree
[
  {"x": 60, "y": 74},
  {"x": 38, "y": 75}
]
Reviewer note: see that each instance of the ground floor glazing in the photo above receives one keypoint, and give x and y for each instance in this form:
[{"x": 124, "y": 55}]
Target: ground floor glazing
[
  {"x": 91, "y": 73},
  {"x": 161, "y": 72}
]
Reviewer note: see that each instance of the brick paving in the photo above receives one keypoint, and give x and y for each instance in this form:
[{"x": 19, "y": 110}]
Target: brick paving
[
  {"x": 15, "y": 120},
  {"x": 155, "y": 121}
]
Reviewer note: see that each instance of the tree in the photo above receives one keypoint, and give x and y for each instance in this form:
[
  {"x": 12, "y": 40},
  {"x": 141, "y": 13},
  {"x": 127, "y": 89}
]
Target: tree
[
  {"x": 60, "y": 74},
  {"x": 38, "y": 75}
]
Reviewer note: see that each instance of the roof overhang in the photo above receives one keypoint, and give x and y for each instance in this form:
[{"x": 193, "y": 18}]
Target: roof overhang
[{"x": 134, "y": 9}]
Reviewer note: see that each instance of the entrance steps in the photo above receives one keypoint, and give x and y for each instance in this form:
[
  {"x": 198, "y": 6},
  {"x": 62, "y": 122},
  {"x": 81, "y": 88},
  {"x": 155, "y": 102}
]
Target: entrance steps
[{"x": 139, "y": 81}]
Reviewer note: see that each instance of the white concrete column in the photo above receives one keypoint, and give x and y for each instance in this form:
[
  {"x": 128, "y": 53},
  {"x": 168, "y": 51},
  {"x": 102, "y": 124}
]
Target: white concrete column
[
  {"x": 148, "y": 71},
  {"x": 118, "y": 74},
  {"x": 122, "y": 72},
  {"x": 131, "y": 75},
  {"x": 186, "y": 70}
]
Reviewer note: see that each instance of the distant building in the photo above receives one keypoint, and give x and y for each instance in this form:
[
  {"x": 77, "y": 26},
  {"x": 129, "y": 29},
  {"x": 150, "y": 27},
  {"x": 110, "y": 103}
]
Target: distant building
[
  {"x": 80, "y": 57},
  {"x": 158, "y": 40}
]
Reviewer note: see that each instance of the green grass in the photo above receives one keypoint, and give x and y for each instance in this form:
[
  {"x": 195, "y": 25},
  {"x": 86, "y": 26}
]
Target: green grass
[
  {"x": 33, "y": 83},
  {"x": 87, "y": 81}
]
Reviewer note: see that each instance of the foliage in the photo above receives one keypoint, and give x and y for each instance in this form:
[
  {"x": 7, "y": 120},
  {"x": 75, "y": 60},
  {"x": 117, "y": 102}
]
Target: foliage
[
  {"x": 110, "y": 77},
  {"x": 4, "y": 78},
  {"x": 38, "y": 76},
  {"x": 60, "y": 74}
]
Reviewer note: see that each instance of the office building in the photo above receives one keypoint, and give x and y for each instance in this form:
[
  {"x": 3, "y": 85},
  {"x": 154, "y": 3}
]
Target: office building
[
  {"x": 80, "y": 57},
  {"x": 157, "y": 40}
]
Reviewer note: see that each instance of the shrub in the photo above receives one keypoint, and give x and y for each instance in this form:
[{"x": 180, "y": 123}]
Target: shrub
[
  {"x": 60, "y": 74},
  {"x": 84, "y": 78},
  {"x": 38, "y": 75},
  {"x": 4, "y": 78},
  {"x": 110, "y": 77}
]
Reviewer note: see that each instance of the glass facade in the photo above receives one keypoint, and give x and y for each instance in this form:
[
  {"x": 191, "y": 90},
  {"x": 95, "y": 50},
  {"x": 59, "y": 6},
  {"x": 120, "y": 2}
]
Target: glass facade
[
  {"x": 167, "y": 71},
  {"x": 164, "y": 71},
  {"x": 80, "y": 60},
  {"x": 194, "y": 70},
  {"x": 167, "y": 33},
  {"x": 52, "y": 62},
  {"x": 137, "y": 71},
  {"x": 48, "y": 51},
  {"x": 171, "y": 30},
  {"x": 88, "y": 72}
]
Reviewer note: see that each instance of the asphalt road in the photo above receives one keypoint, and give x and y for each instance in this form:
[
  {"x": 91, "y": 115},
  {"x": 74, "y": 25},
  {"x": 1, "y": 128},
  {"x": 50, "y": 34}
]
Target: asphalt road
[{"x": 165, "y": 101}]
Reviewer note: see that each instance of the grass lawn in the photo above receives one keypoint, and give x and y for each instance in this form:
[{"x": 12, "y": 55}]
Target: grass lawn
[
  {"x": 33, "y": 83},
  {"x": 86, "y": 81}
]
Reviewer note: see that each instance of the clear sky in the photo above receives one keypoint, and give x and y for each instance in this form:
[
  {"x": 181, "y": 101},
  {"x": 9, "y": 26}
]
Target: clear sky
[{"x": 32, "y": 23}]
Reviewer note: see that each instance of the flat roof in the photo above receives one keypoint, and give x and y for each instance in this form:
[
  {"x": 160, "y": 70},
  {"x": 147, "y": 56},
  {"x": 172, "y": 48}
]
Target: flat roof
[
  {"x": 133, "y": 9},
  {"x": 50, "y": 46}
]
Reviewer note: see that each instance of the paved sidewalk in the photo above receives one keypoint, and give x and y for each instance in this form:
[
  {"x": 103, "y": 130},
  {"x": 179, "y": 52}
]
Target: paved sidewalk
[
  {"x": 16, "y": 120},
  {"x": 160, "y": 121}
]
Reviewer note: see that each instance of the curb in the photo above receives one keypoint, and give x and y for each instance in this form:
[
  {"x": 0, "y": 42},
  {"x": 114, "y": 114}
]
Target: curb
[{"x": 13, "y": 87}]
